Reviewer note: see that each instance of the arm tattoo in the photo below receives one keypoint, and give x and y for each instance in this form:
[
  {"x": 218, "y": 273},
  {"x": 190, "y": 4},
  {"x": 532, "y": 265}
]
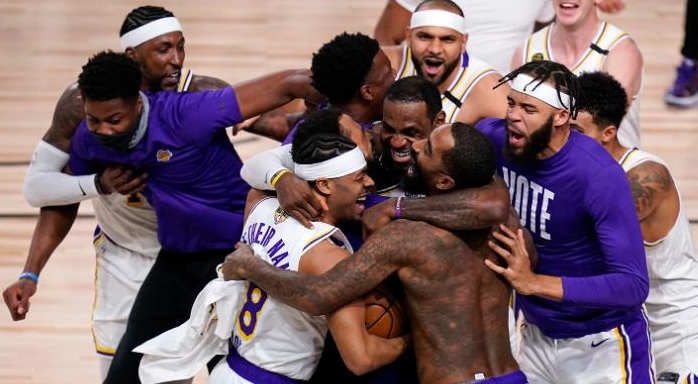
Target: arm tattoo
[
  {"x": 466, "y": 209},
  {"x": 67, "y": 116},
  {"x": 384, "y": 253},
  {"x": 648, "y": 182},
  {"x": 206, "y": 83}
]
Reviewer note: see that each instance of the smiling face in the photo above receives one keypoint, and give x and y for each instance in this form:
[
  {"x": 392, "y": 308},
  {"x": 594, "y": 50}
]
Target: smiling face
[
  {"x": 161, "y": 60},
  {"x": 426, "y": 173},
  {"x": 404, "y": 123},
  {"x": 436, "y": 52},
  {"x": 346, "y": 195},
  {"x": 570, "y": 13}
]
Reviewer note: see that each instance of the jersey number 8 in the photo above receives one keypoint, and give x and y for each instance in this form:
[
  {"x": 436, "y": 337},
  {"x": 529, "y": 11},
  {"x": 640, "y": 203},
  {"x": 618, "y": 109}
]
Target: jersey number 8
[{"x": 247, "y": 319}]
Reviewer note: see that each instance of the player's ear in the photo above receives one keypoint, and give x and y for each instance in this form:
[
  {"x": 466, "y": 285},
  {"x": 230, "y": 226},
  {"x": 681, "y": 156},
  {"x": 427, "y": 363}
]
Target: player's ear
[
  {"x": 407, "y": 35},
  {"x": 440, "y": 119},
  {"x": 609, "y": 134},
  {"x": 366, "y": 92},
  {"x": 131, "y": 53},
  {"x": 561, "y": 117},
  {"x": 324, "y": 186},
  {"x": 445, "y": 182}
]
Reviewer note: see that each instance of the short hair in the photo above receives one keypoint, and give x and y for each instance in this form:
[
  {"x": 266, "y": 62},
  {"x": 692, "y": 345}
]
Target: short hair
[
  {"x": 340, "y": 67},
  {"x": 443, "y": 4},
  {"x": 544, "y": 70},
  {"x": 603, "y": 97},
  {"x": 141, "y": 16},
  {"x": 109, "y": 75},
  {"x": 319, "y": 138},
  {"x": 472, "y": 160},
  {"x": 416, "y": 89}
]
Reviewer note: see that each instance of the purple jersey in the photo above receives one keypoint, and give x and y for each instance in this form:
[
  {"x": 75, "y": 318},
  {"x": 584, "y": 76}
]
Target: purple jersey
[
  {"x": 578, "y": 207},
  {"x": 194, "y": 181}
]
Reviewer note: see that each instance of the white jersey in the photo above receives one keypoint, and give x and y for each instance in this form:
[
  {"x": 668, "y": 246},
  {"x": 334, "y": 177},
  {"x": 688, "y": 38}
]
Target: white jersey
[
  {"x": 538, "y": 47},
  {"x": 129, "y": 221},
  {"x": 672, "y": 304},
  {"x": 496, "y": 28},
  {"x": 466, "y": 79},
  {"x": 269, "y": 333}
]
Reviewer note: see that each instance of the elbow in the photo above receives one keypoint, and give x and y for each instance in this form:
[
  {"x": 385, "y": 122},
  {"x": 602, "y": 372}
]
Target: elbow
[
  {"x": 359, "y": 364},
  {"x": 30, "y": 194}
]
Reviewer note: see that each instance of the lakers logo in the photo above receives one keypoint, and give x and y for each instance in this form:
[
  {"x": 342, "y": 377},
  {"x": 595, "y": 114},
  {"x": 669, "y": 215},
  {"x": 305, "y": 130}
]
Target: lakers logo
[
  {"x": 280, "y": 215},
  {"x": 537, "y": 57},
  {"x": 164, "y": 155}
]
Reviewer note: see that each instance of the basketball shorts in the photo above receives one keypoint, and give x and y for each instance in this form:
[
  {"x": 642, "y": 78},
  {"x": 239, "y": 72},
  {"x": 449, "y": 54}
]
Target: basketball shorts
[
  {"x": 236, "y": 370},
  {"x": 617, "y": 356},
  {"x": 118, "y": 277}
]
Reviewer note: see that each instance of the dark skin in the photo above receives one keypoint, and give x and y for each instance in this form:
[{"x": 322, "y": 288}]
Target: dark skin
[
  {"x": 55, "y": 222},
  {"x": 455, "y": 335}
]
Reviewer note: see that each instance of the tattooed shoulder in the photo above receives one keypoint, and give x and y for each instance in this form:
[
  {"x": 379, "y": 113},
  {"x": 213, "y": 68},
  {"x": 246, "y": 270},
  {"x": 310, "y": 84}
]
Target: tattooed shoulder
[
  {"x": 67, "y": 116},
  {"x": 649, "y": 182}
]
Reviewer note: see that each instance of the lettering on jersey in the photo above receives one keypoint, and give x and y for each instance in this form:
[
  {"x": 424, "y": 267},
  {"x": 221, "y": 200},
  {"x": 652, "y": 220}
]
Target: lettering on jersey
[
  {"x": 531, "y": 201},
  {"x": 264, "y": 235}
]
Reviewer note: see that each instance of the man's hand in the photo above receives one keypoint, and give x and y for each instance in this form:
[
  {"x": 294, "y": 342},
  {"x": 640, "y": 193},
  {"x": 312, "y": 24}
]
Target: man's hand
[
  {"x": 17, "y": 298},
  {"x": 518, "y": 272},
  {"x": 378, "y": 216},
  {"x": 297, "y": 198},
  {"x": 245, "y": 124},
  {"x": 610, "y": 6},
  {"x": 237, "y": 264},
  {"x": 122, "y": 180}
]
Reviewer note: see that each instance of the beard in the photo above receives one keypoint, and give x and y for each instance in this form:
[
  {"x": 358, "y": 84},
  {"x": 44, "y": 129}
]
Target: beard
[
  {"x": 448, "y": 69},
  {"x": 414, "y": 178},
  {"x": 537, "y": 142},
  {"x": 383, "y": 171}
]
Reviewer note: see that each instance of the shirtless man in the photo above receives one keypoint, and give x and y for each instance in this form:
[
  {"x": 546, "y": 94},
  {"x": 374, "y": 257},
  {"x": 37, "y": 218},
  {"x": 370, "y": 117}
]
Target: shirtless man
[
  {"x": 436, "y": 50},
  {"x": 458, "y": 337}
]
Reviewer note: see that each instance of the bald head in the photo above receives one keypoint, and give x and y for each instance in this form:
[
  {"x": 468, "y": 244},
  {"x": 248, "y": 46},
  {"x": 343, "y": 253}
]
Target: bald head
[{"x": 439, "y": 5}]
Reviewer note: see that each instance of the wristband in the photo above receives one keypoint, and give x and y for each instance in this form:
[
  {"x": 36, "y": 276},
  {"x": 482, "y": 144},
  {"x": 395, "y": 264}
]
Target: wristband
[
  {"x": 398, "y": 208},
  {"x": 277, "y": 176},
  {"x": 29, "y": 275}
]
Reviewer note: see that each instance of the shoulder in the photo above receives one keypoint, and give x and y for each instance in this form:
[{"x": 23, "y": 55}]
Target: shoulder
[
  {"x": 493, "y": 127},
  {"x": 67, "y": 115},
  {"x": 206, "y": 83},
  {"x": 394, "y": 54},
  {"x": 651, "y": 172},
  {"x": 625, "y": 53}
]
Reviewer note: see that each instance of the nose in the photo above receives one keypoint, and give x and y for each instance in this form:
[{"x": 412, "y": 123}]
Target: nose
[
  {"x": 368, "y": 182},
  {"x": 513, "y": 113},
  {"x": 434, "y": 46},
  {"x": 177, "y": 58},
  {"x": 397, "y": 140},
  {"x": 417, "y": 146}
]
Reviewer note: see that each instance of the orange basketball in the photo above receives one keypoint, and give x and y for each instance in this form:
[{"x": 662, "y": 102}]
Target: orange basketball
[{"x": 385, "y": 316}]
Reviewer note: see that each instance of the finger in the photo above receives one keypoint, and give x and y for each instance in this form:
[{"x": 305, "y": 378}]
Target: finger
[
  {"x": 508, "y": 241},
  {"x": 301, "y": 218},
  {"x": 508, "y": 231},
  {"x": 132, "y": 186},
  {"x": 312, "y": 202},
  {"x": 308, "y": 209},
  {"x": 521, "y": 242},
  {"x": 496, "y": 268},
  {"x": 499, "y": 250}
]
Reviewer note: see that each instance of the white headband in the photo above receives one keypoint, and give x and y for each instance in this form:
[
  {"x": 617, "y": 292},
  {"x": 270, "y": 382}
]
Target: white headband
[
  {"x": 543, "y": 92},
  {"x": 435, "y": 18},
  {"x": 148, "y": 31},
  {"x": 339, "y": 166}
]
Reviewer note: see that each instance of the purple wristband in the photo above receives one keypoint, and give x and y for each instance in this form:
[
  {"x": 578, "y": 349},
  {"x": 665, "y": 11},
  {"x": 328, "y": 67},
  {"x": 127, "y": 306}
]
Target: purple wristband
[{"x": 398, "y": 208}]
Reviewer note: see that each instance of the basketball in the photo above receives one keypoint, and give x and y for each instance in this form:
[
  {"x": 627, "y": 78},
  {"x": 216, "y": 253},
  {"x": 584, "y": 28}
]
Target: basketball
[{"x": 385, "y": 315}]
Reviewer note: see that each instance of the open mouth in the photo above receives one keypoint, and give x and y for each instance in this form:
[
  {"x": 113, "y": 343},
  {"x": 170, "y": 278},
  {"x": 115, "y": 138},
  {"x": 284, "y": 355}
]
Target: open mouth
[
  {"x": 172, "y": 78},
  {"x": 433, "y": 66},
  {"x": 568, "y": 6},
  {"x": 515, "y": 139},
  {"x": 401, "y": 156},
  {"x": 360, "y": 204}
]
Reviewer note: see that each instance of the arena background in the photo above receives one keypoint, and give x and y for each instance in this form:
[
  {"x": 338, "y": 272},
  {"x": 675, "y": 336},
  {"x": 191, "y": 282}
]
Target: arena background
[{"x": 43, "y": 44}]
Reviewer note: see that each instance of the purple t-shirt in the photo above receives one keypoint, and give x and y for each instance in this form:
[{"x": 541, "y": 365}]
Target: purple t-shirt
[
  {"x": 194, "y": 180},
  {"x": 578, "y": 207}
]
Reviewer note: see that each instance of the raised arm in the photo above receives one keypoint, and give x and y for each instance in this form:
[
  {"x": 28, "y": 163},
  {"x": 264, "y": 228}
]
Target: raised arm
[
  {"x": 382, "y": 254},
  {"x": 277, "y": 89},
  {"x": 465, "y": 209}
]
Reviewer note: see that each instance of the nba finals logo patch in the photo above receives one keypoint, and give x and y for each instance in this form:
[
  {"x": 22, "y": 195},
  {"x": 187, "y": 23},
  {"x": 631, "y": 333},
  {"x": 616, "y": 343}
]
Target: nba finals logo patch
[
  {"x": 164, "y": 155},
  {"x": 280, "y": 215},
  {"x": 537, "y": 56}
]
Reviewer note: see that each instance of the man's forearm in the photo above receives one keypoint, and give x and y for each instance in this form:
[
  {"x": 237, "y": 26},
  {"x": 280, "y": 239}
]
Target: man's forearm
[
  {"x": 465, "y": 209},
  {"x": 53, "y": 225}
]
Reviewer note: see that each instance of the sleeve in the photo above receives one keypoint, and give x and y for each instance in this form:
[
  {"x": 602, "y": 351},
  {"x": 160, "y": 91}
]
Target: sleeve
[
  {"x": 626, "y": 283},
  {"x": 258, "y": 170},
  {"x": 196, "y": 117},
  {"x": 80, "y": 160},
  {"x": 46, "y": 185}
]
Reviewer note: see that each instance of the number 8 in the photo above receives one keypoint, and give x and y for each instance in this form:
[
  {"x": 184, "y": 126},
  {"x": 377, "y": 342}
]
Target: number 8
[{"x": 247, "y": 319}]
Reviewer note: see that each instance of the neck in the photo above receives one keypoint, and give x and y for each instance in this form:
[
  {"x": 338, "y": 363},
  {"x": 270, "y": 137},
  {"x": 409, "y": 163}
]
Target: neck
[
  {"x": 449, "y": 80},
  {"x": 359, "y": 112},
  {"x": 557, "y": 141},
  {"x": 616, "y": 149},
  {"x": 572, "y": 40}
]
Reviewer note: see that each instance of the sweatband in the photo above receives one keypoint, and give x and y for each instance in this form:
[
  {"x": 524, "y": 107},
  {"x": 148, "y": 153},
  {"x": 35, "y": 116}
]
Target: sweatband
[
  {"x": 149, "y": 31},
  {"x": 31, "y": 276},
  {"x": 436, "y": 18},
  {"x": 541, "y": 91},
  {"x": 45, "y": 185},
  {"x": 339, "y": 166}
]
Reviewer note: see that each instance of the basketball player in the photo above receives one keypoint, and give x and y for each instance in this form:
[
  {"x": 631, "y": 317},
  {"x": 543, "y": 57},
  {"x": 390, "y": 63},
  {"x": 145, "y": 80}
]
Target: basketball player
[
  {"x": 582, "y": 42},
  {"x": 495, "y": 28},
  {"x": 436, "y": 50},
  {"x": 125, "y": 239},
  {"x": 460, "y": 336},
  {"x": 198, "y": 201},
  {"x": 671, "y": 257}
]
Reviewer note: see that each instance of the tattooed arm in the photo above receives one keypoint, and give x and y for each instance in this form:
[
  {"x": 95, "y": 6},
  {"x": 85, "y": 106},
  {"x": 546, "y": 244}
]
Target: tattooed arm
[
  {"x": 206, "y": 83},
  {"x": 392, "y": 247},
  {"x": 465, "y": 209},
  {"x": 650, "y": 184}
]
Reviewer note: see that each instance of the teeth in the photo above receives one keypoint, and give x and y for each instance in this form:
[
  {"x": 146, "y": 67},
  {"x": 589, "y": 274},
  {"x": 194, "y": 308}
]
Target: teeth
[{"x": 361, "y": 199}]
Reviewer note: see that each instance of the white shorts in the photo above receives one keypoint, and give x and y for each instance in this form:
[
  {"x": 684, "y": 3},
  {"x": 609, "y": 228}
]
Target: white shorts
[
  {"x": 118, "y": 276},
  {"x": 222, "y": 374},
  {"x": 618, "y": 356}
]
